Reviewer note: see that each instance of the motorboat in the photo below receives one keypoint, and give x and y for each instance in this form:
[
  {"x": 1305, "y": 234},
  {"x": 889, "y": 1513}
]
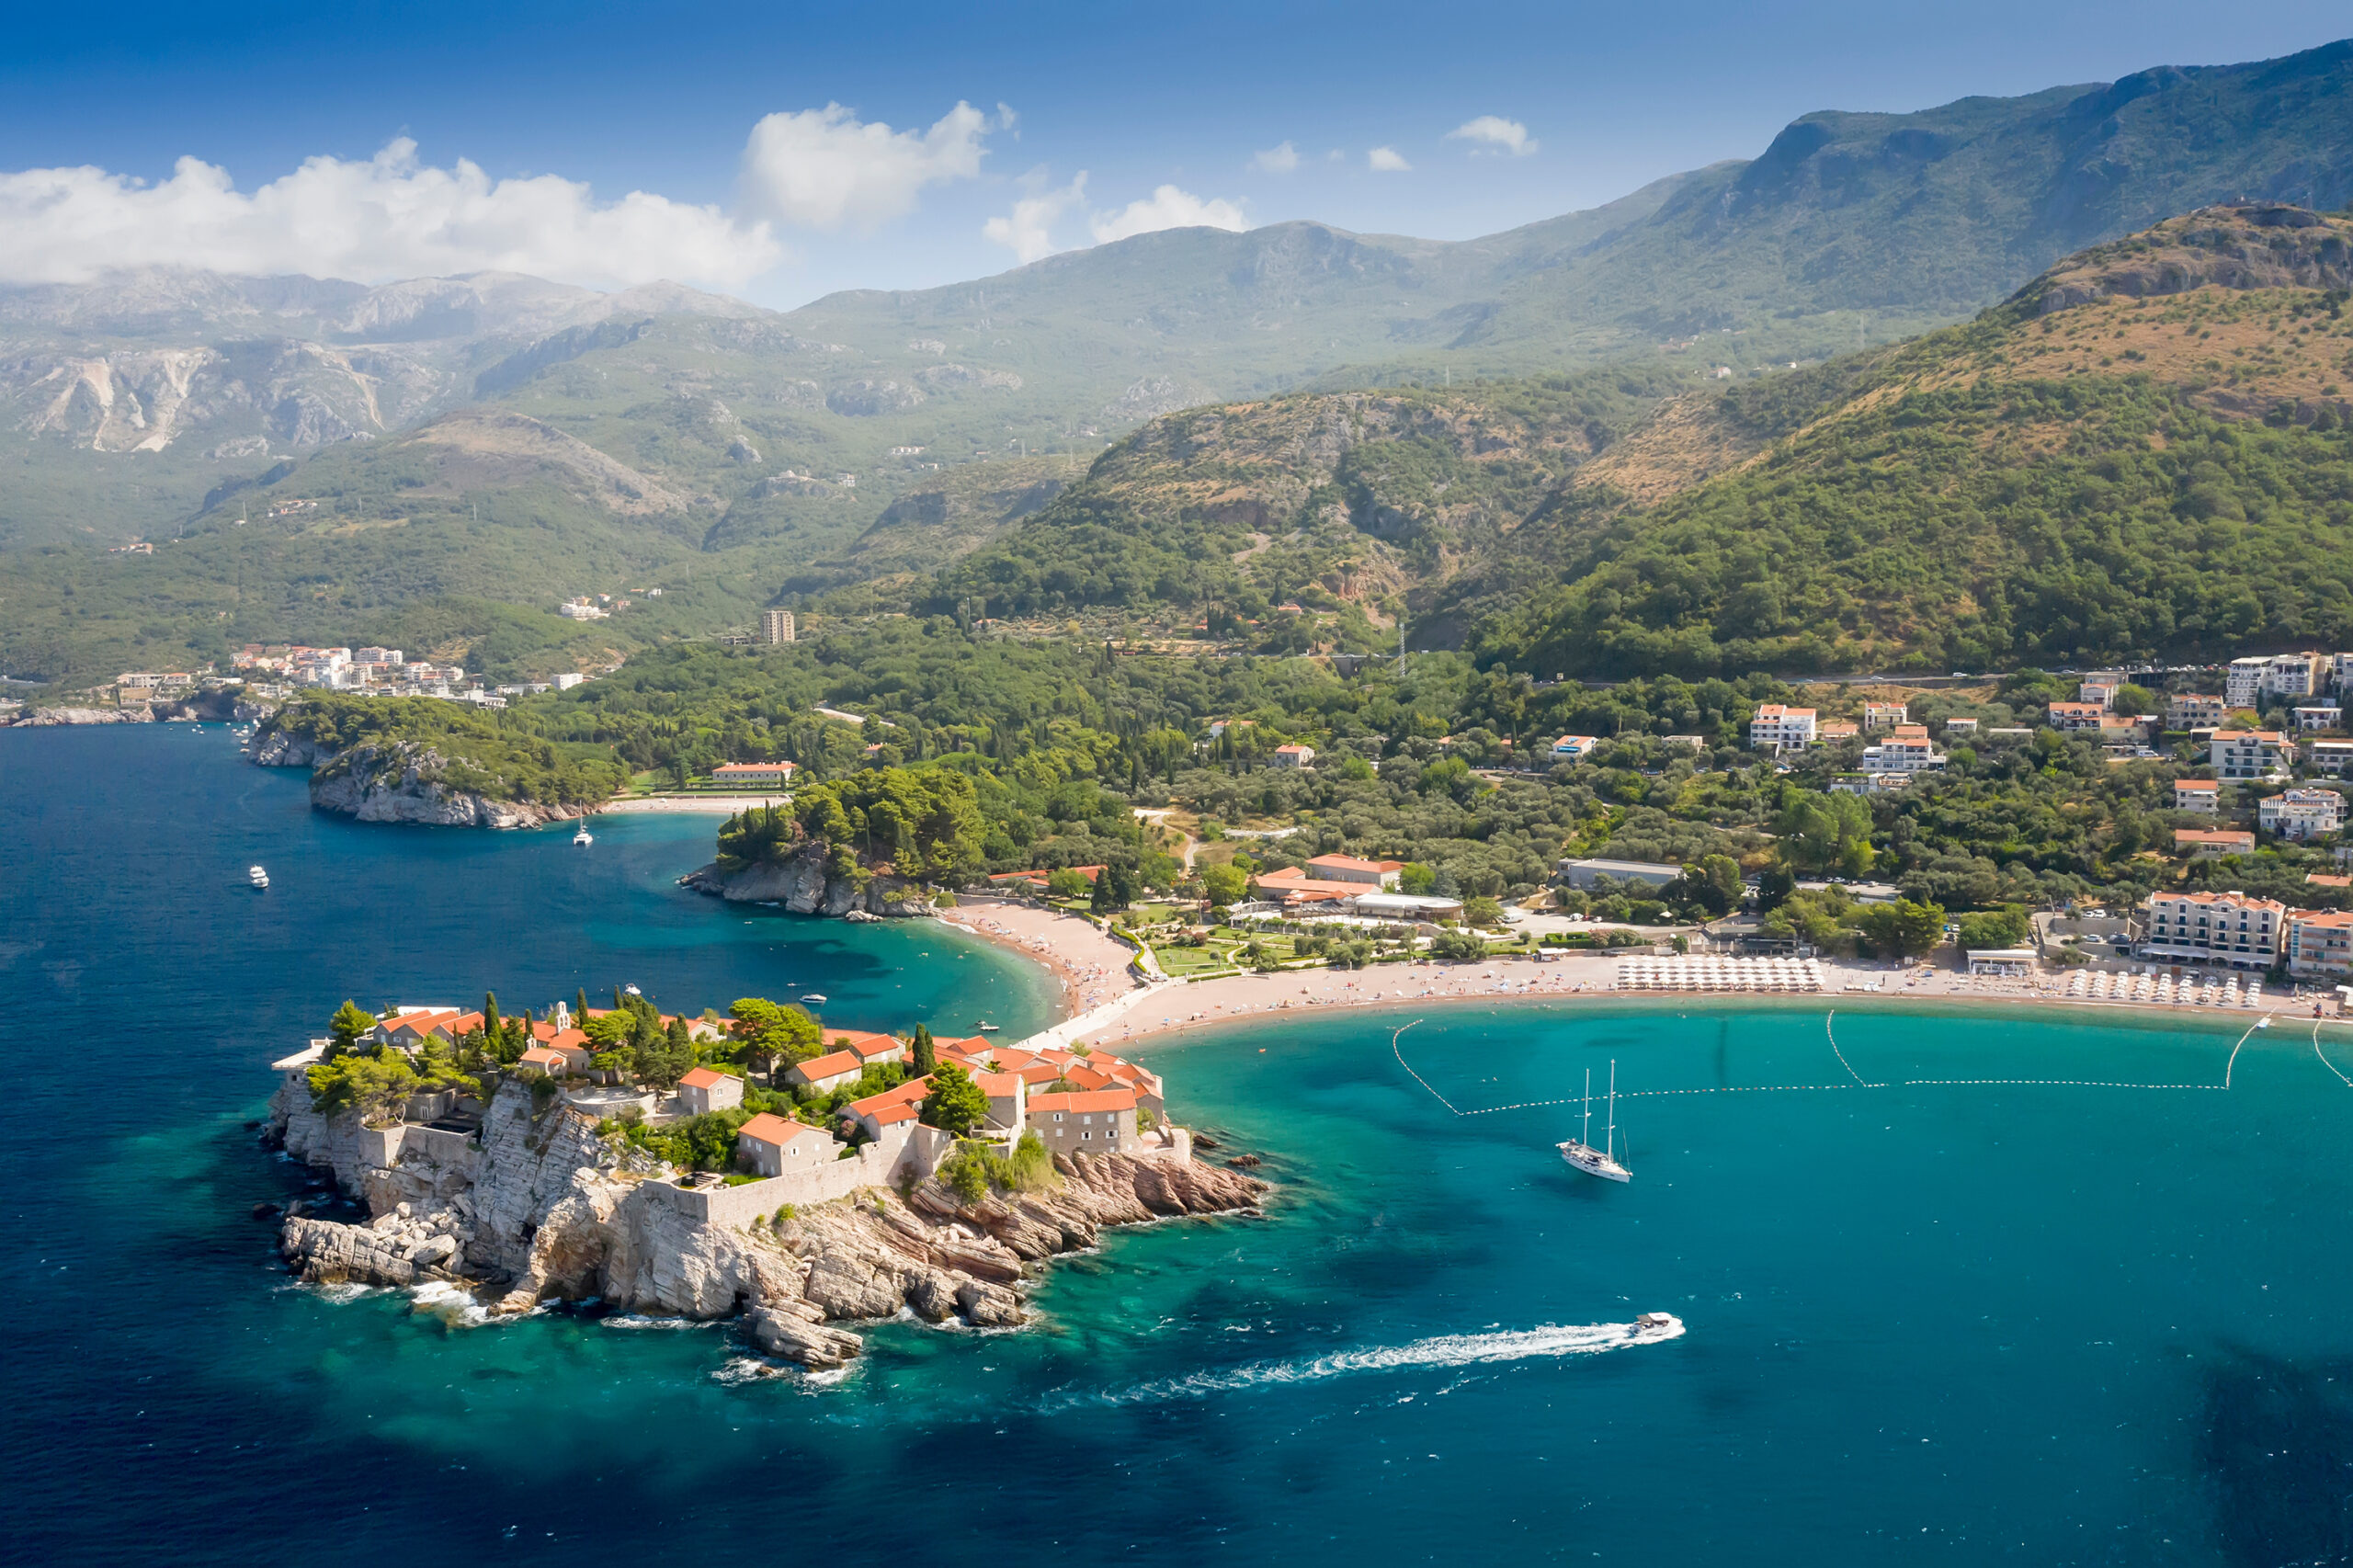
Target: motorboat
[
  {"x": 584, "y": 839},
  {"x": 988, "y": 1029},
  {"x": 1652, "y": 1327},
  {"x": 257, "y": 877},
  {"x": 816, "y": 996},
  {"x": 1577, "y": 1152}
]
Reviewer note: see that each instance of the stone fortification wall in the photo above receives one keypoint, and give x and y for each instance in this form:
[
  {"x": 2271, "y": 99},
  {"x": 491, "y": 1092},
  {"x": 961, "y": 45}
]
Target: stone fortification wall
[{"x": 908, "y": 1151}]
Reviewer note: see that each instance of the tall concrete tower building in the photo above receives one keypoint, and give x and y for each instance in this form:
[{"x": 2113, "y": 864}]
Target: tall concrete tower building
[{"x": 776, "y": 626}]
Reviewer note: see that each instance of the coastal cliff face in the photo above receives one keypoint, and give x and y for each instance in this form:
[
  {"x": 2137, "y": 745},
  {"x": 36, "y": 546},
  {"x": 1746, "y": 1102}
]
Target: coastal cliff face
[
  {"x": 801, "y": 883},
  {"x": 400, "y": 782},
  {"x": 544, "y": 1208}
]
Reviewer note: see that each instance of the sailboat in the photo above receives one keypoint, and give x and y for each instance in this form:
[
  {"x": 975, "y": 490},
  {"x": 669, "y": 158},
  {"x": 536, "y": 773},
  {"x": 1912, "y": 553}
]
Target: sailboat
[
  {"x": 1601, "y": 1162},
  {"x": 584, "y": 839}
]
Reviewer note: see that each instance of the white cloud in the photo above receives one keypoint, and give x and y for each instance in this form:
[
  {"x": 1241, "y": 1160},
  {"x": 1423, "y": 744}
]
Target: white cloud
[
  {"x": 1166, "y": 208},
  {"x": 387, "y": 217},
  {"x": 822, "y": 168},
  {"x": 1495, "y": 134},
  {"x": 1386, "y": 161},
  {"x": 1277, "y": 160},
  {"x": 1028, "y": 230}
]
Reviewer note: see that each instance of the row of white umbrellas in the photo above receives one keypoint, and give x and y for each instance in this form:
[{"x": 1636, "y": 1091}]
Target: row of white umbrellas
[
  {"x": 1708, "y": 972},
  {"x": 2201, "y": 992}
]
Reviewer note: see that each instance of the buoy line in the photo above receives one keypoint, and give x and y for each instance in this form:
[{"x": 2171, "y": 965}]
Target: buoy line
[
  {"x": 2233, "y": 1061},
  {"x": 2323, "y": 1056},
  {"x": 1842, "y": 1055},
  {"x": 1425, "y": 1082}
]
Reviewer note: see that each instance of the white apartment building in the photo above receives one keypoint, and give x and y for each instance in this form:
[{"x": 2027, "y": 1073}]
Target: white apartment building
[
  {"x": 2341, "y": 672},
  {"x": 2073, "y": 716},
  {"x": 2333, "y": 758},
  {"x": 2319, "y": 716},
  {"x": 1884, "y": 715},
  {"x": 2100, "y": 689},
  {"x": 1775, "y": 726},
  {"x": 1962, "y": 729},
  {"x": 2214, "y": 927},
  {"x": 2203, "y": 796},
  {"x": 2301, "y": 814},
  {"x": 1908, "y": 750},
  {"x": 776, "y": 625},
  {"x": 2251, "y": 754},
  {"x": 2277, "y": 675},
  {"x": 2195, "y": 710},
  {"x": 580, "y": 609},
  {"x": 2320, "y": 942}
]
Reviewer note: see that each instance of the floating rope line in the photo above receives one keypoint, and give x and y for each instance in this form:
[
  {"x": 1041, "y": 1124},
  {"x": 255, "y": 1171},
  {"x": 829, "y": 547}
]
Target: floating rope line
[
  {"x": 1409, "y": 1068},
  {"x": 1842, "y": 1055},
  {"x": 2233, "y": 1061},
  {"x": 2324, "y": 1055},
  {"x": 2052, "y": 1083}
]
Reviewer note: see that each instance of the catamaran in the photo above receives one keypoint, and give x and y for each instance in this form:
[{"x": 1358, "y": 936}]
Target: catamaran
[
  {"x": 1601, "y": 1162},
  {"x": 257, "y": 877},
  {"x": 584, "y": 839}
]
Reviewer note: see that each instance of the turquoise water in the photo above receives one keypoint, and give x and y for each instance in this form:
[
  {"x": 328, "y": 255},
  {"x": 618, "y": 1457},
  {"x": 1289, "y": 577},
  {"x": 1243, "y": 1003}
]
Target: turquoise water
[{"x": 1927, "y": 1322}]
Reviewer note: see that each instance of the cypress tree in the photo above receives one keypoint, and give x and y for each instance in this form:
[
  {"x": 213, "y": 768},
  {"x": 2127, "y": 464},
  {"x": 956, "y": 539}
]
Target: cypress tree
[
  {"x": 926, "y": 1056},
  {"x": 490, "y": 1014},
  {"x": 580, "y": 1007}
]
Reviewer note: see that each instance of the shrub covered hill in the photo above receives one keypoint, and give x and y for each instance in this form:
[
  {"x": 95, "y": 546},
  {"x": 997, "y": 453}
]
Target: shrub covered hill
[{"x": 2145, "y": 450}]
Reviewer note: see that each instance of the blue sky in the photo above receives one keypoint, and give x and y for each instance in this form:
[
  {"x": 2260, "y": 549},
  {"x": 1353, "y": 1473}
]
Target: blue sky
[{"x": 716, "y": 113}]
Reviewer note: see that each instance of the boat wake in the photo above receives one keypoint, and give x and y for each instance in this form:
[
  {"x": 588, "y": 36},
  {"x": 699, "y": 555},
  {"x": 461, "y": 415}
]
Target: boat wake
[{"x": 1444, "y": 1351}]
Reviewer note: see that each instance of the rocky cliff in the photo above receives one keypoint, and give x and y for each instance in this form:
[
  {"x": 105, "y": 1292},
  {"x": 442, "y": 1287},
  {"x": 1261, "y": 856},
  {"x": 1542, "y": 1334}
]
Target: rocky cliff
[
  {"x": 801, "y": 882},
  {"x": 405, "y": 782},
  {"x": 545, "y": 1208}
]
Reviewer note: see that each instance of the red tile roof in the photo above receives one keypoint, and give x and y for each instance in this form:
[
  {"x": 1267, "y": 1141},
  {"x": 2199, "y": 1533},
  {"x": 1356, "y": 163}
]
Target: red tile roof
[
  {"x": 703, "y": 1078},
  {"x": 997, "y": 1085},
  {"x": 1096, "y": 1100},
  {"x": 832, "y": 1063},
  {"x": 912, "y": 1092},
  {"x": 767, "y": 1129}
]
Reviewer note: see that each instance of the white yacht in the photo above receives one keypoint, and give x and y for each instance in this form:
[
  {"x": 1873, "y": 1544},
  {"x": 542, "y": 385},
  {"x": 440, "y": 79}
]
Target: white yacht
[
  {"x": 1651, "y": 1327},
  {"x": 816, "y": 996},
  {"x": 1601, "y": 1162},
  {"x": 987, "y": 1028},
  {"x": 584, "y": 839},
  {"x": 257, "y": 877}
]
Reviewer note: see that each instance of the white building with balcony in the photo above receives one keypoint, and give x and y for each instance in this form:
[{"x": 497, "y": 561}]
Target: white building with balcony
[
  {"x": 2301, "y": 814},
  {"x": 2251, "y": 754},
  {"x": 2214, "y": 927},
  {"x": 1774, "y": 727}
]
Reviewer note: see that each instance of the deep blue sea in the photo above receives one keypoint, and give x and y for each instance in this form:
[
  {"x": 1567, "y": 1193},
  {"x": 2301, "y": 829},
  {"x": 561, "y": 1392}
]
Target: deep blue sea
[{"x": 1929, "y": 1322}]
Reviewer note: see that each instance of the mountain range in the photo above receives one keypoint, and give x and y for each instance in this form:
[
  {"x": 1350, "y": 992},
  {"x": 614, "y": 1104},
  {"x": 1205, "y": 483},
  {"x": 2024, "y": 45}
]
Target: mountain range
[{"x": 499, "y": 440}]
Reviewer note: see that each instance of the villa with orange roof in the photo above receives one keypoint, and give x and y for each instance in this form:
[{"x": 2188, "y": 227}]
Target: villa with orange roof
[
  {"x": 1098, "y": 1122},
  {"x": 1348, "y": 868},
  {"x": 827, "y": 1072},
  {"x": 772, "y": 1145},
  {"x": 707, "y": 1089}
]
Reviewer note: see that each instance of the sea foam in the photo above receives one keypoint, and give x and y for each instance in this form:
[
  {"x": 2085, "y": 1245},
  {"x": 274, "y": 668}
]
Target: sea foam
[{"x": 1444, "y": 1350}]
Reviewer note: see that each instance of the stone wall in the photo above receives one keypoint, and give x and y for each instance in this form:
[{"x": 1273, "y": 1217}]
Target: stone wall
[{"x": 906, "y": 1151}]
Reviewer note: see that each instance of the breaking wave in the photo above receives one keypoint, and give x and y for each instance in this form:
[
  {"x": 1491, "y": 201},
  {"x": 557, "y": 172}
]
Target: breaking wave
[{"x": 1445, "y": 1350}]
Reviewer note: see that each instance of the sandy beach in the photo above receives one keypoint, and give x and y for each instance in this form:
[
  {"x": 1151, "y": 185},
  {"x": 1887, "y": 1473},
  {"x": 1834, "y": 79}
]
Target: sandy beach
[
  {"x": 1096, "y": 978},
  {"x": 1091, "y": 968},
  {"x": 701, "y": 805}
]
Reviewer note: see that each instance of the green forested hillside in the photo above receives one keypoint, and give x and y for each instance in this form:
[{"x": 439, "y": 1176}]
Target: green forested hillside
[{"x": 2141, "y": 455}]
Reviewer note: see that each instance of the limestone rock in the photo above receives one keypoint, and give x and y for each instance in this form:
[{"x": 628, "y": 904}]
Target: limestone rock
[
  {"x": 801, "y": 883},
  {"x": 795, "y": 1339}
]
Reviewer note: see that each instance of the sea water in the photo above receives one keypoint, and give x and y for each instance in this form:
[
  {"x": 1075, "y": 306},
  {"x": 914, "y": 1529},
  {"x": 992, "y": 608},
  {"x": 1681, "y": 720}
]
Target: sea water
[{"x": 2012, "y": 1286}]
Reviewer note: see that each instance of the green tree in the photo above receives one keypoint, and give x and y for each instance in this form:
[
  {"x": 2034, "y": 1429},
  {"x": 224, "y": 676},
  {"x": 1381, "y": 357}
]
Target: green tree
[
  {"x": 350, "y": 1021},
  {"x": 1485, "y": 913},
  {"x": 1417, "y": 878},
  {"x": 1711, "y": 885},
  {"x": 1458, "y": 946},
  {"x": 924, "y": 1055},
  {"x": 955, "y": 1103},
  {"x": 1115, "y": 888},
  {"x": 1067, "y": 884},
  {"x": 1905, "y": 928},
  {"x": 661, "y": 1061},
  {"x": 1224, "y": 885},
  {"x": 370, "y": 1085},
  {"x": 2003, "y": 927}
]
